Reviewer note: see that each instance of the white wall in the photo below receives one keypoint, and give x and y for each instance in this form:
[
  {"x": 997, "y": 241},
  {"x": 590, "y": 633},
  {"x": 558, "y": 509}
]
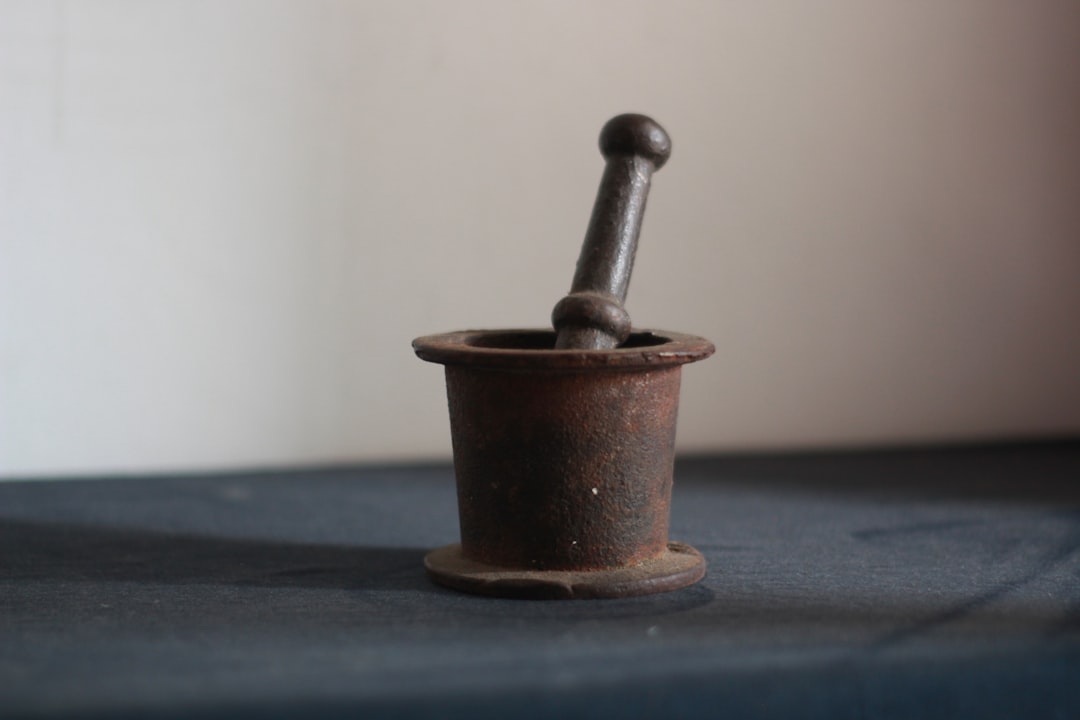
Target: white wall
[{"x": 221, "y": 223}]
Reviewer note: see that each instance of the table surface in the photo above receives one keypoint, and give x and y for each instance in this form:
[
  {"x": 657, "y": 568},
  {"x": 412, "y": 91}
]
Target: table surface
[{"x": 918, "y": 583}]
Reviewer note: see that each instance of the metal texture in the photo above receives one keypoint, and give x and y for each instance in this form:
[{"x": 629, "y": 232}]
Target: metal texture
[
  {"x": 564, "y": 462},
  {"x": 679, "y": 566},
  {"x": 564, "y": 441},
  {"x": 592, "y": 315}
]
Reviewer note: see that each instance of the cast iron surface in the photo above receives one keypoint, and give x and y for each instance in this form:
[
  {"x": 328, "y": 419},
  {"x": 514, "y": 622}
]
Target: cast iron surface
[
  {"x": 931, "y": 584},
  {"x": 592, "y": 315},
  {"x": 675, "y": 567},
  {"x": 564, "y": 443},
  {"x": 563, "y": 461}
]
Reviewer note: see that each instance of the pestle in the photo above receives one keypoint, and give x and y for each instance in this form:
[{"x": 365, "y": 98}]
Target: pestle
[{"x": 592, "y": 317}]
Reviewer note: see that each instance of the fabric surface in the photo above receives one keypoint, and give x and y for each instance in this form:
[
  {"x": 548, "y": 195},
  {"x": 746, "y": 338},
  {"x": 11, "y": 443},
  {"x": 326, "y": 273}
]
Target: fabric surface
[{"x": 923, "y": 583}]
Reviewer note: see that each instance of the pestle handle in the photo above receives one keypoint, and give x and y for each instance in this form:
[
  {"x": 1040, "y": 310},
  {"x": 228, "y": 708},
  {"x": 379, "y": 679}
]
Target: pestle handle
[{"x": 592, "y": 317}]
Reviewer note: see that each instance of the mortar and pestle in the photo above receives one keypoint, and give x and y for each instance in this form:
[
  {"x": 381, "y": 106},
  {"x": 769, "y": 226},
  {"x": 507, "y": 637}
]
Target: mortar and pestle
[{"x": 564, "y": 441}]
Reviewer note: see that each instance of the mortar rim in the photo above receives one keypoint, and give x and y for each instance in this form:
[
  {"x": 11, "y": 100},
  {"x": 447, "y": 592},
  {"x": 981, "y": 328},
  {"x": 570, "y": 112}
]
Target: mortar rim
[{"x": 464, "y": 347}]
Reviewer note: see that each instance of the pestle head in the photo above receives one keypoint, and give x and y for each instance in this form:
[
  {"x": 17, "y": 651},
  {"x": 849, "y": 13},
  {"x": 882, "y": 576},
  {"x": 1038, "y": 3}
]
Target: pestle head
[{"x": 633, "y": 134}]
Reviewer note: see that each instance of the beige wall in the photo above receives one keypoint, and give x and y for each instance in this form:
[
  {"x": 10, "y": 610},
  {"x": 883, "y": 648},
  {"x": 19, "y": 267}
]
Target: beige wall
[{"x": 221, "y": 223}]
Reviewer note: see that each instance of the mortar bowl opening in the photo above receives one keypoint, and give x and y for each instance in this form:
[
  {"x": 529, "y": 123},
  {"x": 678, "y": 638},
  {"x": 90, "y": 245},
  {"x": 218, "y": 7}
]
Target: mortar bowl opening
[{"x": 545, "y": 340}]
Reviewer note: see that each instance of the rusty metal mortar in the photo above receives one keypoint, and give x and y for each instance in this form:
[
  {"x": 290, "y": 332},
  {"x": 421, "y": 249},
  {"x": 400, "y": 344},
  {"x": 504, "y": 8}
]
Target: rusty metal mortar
[{"x": 564, "y": 440}]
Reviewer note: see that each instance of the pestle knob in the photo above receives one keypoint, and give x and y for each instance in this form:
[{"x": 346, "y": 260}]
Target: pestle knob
[{"x": 592, "y": 317}]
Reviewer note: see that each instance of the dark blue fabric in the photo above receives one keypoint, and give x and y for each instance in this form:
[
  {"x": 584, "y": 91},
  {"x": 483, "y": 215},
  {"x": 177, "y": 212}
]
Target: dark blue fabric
[{"x": 922, "y": 583}]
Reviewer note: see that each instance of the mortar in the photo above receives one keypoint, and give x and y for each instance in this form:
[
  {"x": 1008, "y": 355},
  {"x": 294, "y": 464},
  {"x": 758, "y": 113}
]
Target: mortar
[{"x": 564, "y": 440}]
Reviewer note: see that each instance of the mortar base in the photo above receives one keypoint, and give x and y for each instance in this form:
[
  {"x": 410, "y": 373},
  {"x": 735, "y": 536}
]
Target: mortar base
[{"x": 678, "y": 567}]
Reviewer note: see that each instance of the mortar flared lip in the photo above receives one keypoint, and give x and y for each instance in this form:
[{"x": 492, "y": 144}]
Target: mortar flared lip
[{"x": 535, "y": 349}]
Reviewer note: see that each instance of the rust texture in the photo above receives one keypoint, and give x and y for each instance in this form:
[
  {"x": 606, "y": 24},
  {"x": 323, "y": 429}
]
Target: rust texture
[
  {"x": 680, "y": 566},
  {"x": 564, "y": 460},
  {"x": 564, "y": 441}
]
